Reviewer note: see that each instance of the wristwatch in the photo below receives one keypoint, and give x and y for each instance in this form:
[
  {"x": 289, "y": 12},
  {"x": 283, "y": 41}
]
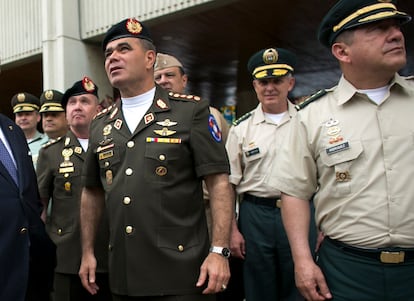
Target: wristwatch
[{"x": 225, "y": 252}]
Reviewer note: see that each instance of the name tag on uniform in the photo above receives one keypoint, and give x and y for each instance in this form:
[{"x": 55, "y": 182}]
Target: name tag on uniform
[
  {"x": 106, "y": 155},
  {"x": 337, "y": 148},
  {"x": 66, "y": 169},
  {"x": 252, "y": 152}
]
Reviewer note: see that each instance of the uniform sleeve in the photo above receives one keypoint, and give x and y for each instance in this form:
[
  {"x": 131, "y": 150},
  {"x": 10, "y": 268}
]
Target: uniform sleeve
[
  {"x": 295, "y": 170},
  {"x": 90, "y": 170},
  {"x": 235, "y": 156},
  {"x": 208, "y": 149},
  {"x": 44, "y": 174}
]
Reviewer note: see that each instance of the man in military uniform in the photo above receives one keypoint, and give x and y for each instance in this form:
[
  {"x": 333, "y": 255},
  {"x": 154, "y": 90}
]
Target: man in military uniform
[
  {"x": 146, "y": 162},
  {"x": 54, "y": 121},
  {"x": 26, "y": 109},
  {"x": 252, "y": 147},
  {"x": 59, "y": 177},
  {"x": 352, "y": 144}
]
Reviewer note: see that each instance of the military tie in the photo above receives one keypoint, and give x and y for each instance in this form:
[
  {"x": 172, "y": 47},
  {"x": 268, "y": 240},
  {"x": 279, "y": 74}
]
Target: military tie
[{"x": 7, "y": 161}]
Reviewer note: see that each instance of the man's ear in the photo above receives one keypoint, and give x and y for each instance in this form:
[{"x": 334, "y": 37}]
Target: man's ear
[{"x": 341, "y": 52}]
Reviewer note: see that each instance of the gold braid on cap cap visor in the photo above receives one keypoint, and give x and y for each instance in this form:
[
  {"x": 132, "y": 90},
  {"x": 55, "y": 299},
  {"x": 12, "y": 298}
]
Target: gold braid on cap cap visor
[
  {"x": 25, "y": 107},
  {"x": 279, "y": 70},
  {"x": 362, "y": 11}
]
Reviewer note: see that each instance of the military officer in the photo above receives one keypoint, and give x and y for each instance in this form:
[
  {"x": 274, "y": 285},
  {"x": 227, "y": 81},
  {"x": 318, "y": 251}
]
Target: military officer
[
  {"x": 54, "y": 121},
  {"x": 352, "y": 144},
  {"x": 146, "y": 162},
  {"x": 26, "y": 109},
  {"x": 59, "y": 177}
]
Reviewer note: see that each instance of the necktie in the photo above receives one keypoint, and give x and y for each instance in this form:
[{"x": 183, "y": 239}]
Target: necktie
[{"x": 7, "y": 161}]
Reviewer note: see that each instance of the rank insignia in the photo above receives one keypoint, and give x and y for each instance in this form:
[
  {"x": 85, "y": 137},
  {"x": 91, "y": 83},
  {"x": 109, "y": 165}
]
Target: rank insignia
[
  {"x": 107, "y": 130},
  {"x": 331, "y": 122},
  {"x": 161, "y": 104},
  {"x": 167, "y": 122},
  {"x": 67, "y": 186},
  {"x": 333, "y": 130},
  {"x": 214, "y": 128},
  {"x": 78, "y": 150},
  {"x": 165, "y": 132},
  {"x": 67, "y": 141},
  {"x": 113, "y": 113},
  {"x": 149, "y": 118},
  {"x": 118, "y": 124}
]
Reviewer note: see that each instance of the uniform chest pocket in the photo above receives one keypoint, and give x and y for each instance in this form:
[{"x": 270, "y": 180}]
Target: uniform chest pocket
[
  {"x": 161, "y": 161},
  {"x": 344, "y": 167},
  {"x": 68, "y": 183},
  {"x": 108, "y": 158}
]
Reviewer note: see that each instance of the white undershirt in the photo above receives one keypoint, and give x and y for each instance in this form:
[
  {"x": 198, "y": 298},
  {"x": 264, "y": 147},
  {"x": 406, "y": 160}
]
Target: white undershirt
[
  {"x": 134, "y": 108},
  {"x": 275, "y": 117},
  {"x": 377, "y": 95},
  {"x": 84, "y": 143}
]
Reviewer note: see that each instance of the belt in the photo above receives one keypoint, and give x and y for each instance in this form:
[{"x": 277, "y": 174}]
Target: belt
[
  {"x": 383, "y": 255},
  {"x": 270, "y": 202}
]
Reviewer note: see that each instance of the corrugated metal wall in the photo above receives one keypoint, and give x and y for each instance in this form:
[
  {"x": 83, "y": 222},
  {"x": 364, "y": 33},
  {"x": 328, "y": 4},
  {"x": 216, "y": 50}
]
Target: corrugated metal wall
[
  {"x": 98, "y": 15},
  {"x": 20, "y": 29},
  {"x": 21, "y": 20}
]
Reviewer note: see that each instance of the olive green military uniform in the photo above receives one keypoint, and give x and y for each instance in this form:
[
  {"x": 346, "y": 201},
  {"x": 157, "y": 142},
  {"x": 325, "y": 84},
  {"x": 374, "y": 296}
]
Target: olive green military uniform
[
  {"x": 59, "y": 178},
  {"x": 360, "y": 156},
  {"x": 154, "y": 198}
]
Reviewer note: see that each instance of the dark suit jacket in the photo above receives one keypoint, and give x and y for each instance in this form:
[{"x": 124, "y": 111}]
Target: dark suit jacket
[{"x": 23, "y": 240}]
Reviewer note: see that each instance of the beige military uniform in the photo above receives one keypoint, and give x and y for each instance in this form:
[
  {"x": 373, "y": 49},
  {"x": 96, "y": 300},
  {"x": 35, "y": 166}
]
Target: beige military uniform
[
  {"x": 252, "y": 147},
  {"x": 360, "y": 155}
]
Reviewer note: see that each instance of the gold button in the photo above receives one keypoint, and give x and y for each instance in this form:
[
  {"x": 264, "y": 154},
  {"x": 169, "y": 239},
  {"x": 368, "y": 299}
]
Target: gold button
[
  {"x": 127, "y": 200},
  {"x": 130, "y": 144},
  {"x": 59, "y": 231},
  {"x": 180, "y": 248},
  {"x": 161, "y": 157},
  {"x": 128, "y": 171},
  {"x": 66, "y": 175},
  {"x": 161, "y": 171},
  {"x": 23, "y": 230},
  {"x": 106, "y": 164},
  {"x": 129, "y": 229}
]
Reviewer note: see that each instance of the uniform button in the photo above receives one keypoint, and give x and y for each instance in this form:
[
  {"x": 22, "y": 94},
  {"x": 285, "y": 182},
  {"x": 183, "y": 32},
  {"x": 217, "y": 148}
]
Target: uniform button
[
  {"x": 161, "y": 157},
  {"x": 23, "y": 230},
  {"x": 127, "y": 200},
  {"x": 180, "y": 248},
  {"x": 106, "y": 164},
  {"x": 130, "y": 144},
  {"x": 66, "y": 175},
  {"x": 161, "y": 171},
  {"x": 59, "y": 231},
  {"x": 128, "y": 171},
  {"x": 109, "y": 247},
  {"x": 129, "y": 229}
]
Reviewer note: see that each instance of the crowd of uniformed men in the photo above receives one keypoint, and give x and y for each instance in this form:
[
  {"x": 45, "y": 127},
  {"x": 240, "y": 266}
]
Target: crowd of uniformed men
[{"x": 154, "y": 196}]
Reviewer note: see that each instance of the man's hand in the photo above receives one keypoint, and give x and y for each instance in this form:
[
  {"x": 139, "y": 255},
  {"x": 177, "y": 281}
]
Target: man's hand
[
  {"x": 216, "y": 269},
  {"x": 237, "y": 243},
  {"x": 87, "y": 274},
  {"x": 311, "y": 282}
]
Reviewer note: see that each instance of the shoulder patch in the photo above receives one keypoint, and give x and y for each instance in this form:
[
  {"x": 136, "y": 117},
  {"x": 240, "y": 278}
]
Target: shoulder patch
[
  {"x": 51, "y": 142},
  {"x": 310, "y": 99},
  {"x": 179, "y": 96},
  {"x": 242, "y": 118}
]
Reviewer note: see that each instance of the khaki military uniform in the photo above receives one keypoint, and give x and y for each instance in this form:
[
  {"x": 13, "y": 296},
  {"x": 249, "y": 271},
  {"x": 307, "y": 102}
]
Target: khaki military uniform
[
  {"x": 35, "y": 145},
  {"x": 154, "y": 198},
  {"x": 360, "y": 156},
  {"x": 59, "y": 178}
]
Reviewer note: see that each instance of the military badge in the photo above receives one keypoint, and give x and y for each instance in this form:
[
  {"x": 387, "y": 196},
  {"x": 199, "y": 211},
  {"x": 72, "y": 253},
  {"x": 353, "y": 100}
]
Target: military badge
[
  {"x": 88, "y": 84},
  {"x": 78, "y": 150},
  {"x": 214, "y": 128},
  {"x": 21, "y": 97},
  {"x": 167, "y": 122},
  {"x": 133, "y": 26},
  {"x": 270, "y": 56},
  {"x": 164, "y": 132},
  {"x": 343, "y": 176},
  {"x": 107, "y": 130},
  {"x": 49, "y": 94},
  {"x": 149, "y": 118},
  {"x": 109, "y": 177},
  {"x": 68, "y": 186},
  {"x": 118, "y": 124},
  {"x": 161, "y": 104}
]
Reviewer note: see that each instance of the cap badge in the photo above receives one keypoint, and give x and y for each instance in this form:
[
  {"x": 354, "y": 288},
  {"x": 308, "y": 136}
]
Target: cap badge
[
  {"x": 133, "y": 26},
  {"x": 49, "y": 94},
  {"x": 88, "y": 84},
  {"x": 21, "y": 97},
  {"x": 270, "y": 56}
]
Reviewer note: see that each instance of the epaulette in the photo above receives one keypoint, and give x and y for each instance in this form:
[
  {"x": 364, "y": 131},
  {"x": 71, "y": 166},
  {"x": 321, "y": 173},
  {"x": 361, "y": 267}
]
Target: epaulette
[
  {"x": 179, "y": 96},
  {"x": 242, "y": 118},
  {"x": 310, "y": 99},
  {"x": 50, "y": 142},
  {"x": 104, "y": 112}
]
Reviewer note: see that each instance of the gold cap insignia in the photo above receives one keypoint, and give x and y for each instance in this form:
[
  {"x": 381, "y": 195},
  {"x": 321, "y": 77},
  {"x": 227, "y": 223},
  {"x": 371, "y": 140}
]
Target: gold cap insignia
[
  {"x": 88, "y": 84},
  {"x": 21, "y": 97},
  {"x": 133, "y": 26},
  {"x": 270, "y": 56},
  {"x": 49, "y": 94}
]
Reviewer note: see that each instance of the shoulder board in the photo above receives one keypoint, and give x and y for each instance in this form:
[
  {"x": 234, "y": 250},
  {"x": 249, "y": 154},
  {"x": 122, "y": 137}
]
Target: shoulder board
[
  {"x": 242, "y": 118},
  {"x": 51, "y": 142},
  {"x": 310, "y": 99},
  {"x": 410, "y": 77},
  {"x": 179, "y": 96},
  {"x": 104, "y": 112}
]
